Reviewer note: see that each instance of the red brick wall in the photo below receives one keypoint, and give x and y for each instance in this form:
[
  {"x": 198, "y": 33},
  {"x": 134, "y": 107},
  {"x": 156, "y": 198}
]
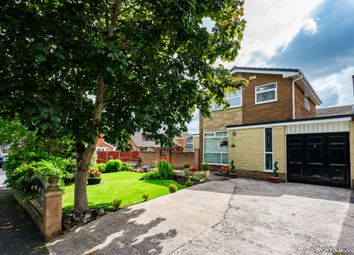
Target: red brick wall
[
  {"x": 274, "y": 111},
  {"x": 149, "y": 157},
  {"x": 300, "y": 111},
  {"x": 100, "y": 143},
  {"x": 178, "y": 158}
]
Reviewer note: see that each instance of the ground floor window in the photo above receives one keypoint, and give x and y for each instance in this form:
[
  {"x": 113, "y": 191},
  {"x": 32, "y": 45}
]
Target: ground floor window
[
  {"x": 268, "y": 149},
  {"x": 215, "y": 148}
]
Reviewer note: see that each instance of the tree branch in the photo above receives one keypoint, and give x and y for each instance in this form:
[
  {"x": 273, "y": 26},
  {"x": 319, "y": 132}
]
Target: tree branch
[{"x": 114, "y": 15}]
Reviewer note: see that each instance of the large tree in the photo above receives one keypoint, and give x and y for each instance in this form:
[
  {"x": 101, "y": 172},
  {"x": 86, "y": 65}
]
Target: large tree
[{"x": 114, "y": 67}]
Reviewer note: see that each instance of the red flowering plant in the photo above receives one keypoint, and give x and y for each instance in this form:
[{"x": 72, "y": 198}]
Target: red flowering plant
[
  {"x": 193, "y": 168},
  {"x": 224, "y": 168},
  {"x": 93, "y": 173}
]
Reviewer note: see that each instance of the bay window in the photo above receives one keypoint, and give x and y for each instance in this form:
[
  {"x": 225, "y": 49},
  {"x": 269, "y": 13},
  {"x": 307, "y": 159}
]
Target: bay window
[{"x": 215, "y": 150}]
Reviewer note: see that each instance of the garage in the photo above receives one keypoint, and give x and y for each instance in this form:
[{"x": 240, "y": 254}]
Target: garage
[{"x": 319, "y": 158}]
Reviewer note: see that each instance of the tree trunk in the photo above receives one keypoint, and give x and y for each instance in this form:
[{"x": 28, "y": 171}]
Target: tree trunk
[
  {"x": 80, "y": 195},
  {"x": 84, "y": 154}
]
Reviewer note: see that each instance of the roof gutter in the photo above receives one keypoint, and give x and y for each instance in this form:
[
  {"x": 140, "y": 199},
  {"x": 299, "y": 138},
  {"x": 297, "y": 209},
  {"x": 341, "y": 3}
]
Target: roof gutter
[{"x": 293, "y": 93}]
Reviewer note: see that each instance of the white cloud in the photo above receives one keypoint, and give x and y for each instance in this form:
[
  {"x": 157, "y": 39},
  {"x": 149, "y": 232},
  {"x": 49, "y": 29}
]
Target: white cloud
[
  {"x": 310, "y": 26},
  {"x": 193, "y": 126},
  {"x": 271, "y": 26},
  {"x": 339, "y": 84}
]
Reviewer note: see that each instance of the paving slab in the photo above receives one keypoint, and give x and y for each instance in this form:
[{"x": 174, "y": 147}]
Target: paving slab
[
  {"x": 159, "y": 226},
  {"x": 224, "y": 217},
  {"x": 290, "y": 218},
  {"x": 18, "y": 233}
]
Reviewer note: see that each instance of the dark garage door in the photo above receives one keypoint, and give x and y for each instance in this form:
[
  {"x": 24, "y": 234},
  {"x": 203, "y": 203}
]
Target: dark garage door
[{"x": 319, "y": 159}]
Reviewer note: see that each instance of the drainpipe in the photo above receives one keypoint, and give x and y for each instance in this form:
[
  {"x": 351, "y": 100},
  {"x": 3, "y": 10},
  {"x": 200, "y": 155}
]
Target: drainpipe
[{"x": 293, "y": 93}]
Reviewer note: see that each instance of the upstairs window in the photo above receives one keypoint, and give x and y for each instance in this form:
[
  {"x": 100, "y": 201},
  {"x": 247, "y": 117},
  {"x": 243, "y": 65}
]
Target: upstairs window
[
  {"x": 266, "y": 93},
  {"x": 307, "y": 103},
  {"x": 234, "y": 99},
  {"x": 189, "y": 144}
]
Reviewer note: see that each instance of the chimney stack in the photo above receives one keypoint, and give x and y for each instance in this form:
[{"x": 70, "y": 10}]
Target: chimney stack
[{"x": 353, "y": 82}]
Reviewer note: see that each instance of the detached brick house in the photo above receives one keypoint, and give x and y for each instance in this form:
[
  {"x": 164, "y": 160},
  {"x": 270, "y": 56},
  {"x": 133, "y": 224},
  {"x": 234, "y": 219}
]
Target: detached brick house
[{"x": 273, "y": 119}]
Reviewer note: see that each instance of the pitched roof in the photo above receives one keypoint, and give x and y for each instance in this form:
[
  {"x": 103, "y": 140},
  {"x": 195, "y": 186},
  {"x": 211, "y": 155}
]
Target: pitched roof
[
  {"x": 140, "y": 141},
  {"x": 335, "y": 110}
]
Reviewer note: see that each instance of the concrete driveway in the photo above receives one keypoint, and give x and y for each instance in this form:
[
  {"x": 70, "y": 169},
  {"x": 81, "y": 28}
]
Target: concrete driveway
[{"x": 224, "y": 217}]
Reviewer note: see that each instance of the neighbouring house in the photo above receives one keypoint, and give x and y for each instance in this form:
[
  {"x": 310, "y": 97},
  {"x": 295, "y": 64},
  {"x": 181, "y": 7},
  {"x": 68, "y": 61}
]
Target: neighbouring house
[
  {"x": 185, "y": 141},
  {"x": 142, "y": 142},
  {"x": 5, "y": 149},
  {"x": 274, "y": 119},
  {"x": 102, "y": 145},
  {"x": 145, "y": 151}
]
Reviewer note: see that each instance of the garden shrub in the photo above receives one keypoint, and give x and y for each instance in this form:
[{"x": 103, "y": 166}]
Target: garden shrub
[
  {"x": 20, "y": 177},
  {"x": 146, "y": 197},
  {"x": 113, "y": 165},
  {"x": 125, "y": 167},
  {"x": 172, "y": 188},
  {"x": 186, "y": 165},
  {"x": 198, "y": 178},
  {"x": 154, "y": 175},
  {"x": 165, "y": 170},
  {"x": 187, "y": 172},
  {"x": 101, "y": 167},
  {"x": 189, "y": 183},
  {"x": 116, "y": 204},
  {"x": 205, "y": 167}
]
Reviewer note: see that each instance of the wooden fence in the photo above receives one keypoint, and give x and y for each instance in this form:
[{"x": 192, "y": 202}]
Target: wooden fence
[{"x": 125, "y": 156}]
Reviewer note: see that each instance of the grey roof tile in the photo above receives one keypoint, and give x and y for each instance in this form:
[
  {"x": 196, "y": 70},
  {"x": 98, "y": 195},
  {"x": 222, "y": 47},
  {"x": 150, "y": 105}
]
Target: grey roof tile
[{"x": 335, "y": 110}]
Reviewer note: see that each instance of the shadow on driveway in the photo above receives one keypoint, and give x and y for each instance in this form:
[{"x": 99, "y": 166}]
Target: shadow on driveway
[
  {"x": 18, "y": 234},
  {"x": 116, "y": 233}
]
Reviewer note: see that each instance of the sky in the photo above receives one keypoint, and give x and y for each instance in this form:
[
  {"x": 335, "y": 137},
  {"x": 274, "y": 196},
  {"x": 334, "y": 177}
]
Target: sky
[{"x": 316, "y": 36}]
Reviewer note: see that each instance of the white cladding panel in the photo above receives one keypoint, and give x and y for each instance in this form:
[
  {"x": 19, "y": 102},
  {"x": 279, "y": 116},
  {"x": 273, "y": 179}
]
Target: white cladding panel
[{"x": 326, "y": 127}]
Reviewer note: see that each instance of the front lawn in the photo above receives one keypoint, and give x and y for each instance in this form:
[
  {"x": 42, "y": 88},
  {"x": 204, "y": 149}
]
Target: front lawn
[{"x": 121, "y": 185}]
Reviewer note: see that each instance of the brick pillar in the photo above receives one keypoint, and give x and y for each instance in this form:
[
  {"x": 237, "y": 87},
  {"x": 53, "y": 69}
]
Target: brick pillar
[
  {"x": 201, "y": 131},
  {"x": 197, "y": 158},
  {"x": 52, "y": 214}
]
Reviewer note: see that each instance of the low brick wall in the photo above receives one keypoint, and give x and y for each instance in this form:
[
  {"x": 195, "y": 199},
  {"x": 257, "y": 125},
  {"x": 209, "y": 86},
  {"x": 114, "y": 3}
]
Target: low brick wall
[
  {"x": 177, "y": 158},
  {"x": 48, "y": 217},
  {"x": 149, "y": 157},
  {"x": 257, "y": 175}
]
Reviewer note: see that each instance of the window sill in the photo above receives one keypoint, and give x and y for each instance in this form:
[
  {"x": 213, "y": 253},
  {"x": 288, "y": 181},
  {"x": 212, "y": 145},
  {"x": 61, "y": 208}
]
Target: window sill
[
  {"x": 216, "y": 164},
  {"x": 267, "y": 102},
  {"x": 217, "y": 110},
  {"x": 267, "y": 171}
]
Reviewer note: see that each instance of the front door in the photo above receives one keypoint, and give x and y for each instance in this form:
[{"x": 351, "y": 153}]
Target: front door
[{"x": 319, "y": 159}]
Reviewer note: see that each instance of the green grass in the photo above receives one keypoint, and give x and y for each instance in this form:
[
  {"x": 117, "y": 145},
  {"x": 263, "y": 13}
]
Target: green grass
[{"x": 121, "y": 185}]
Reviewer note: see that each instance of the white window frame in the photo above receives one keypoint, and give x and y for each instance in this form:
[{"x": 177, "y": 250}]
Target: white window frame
[
  {"x": 214, "y": 106},
  {"x": 221, "y": 153},
  {"x": 267, "y": 152},
  {"x": 307, "y": 105},
  {"x": 101, "y": 149},
  {"x": 192, "y": 143},
  {"x": 268, "y": 101}
]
